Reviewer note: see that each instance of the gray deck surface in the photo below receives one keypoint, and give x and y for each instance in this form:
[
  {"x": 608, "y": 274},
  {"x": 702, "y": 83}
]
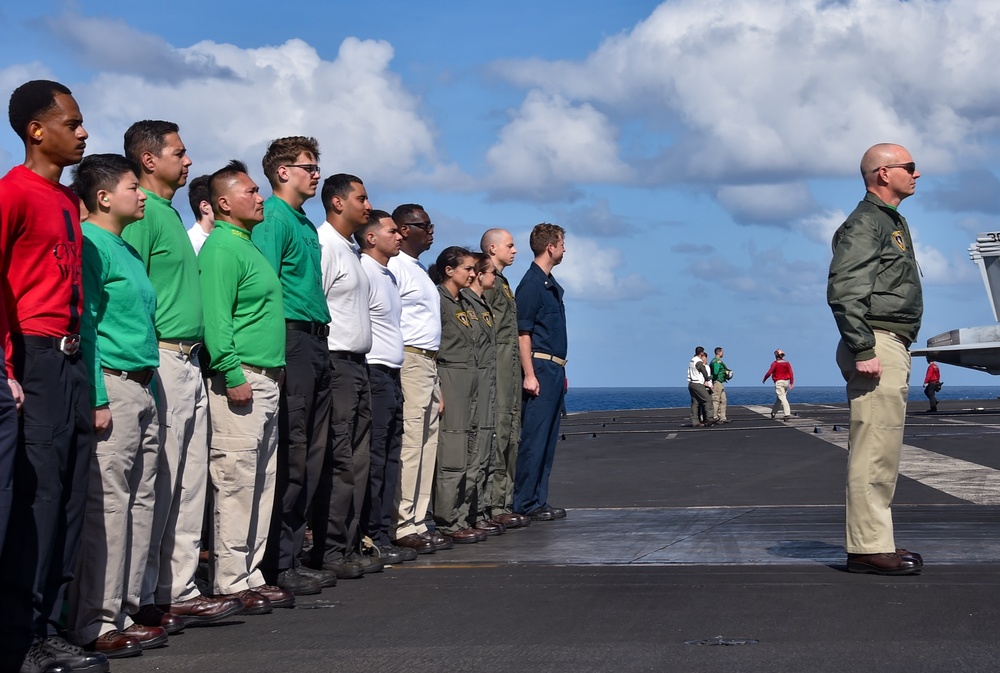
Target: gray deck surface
[{"x": 674, "y": 534}]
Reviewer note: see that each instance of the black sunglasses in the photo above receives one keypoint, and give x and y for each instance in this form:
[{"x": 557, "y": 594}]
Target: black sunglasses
[{"x": 910, "y": 167}]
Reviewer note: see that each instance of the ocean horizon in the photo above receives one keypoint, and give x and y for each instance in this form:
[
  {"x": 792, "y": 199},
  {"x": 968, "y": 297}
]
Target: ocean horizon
[{"x": 614, "y": 399}]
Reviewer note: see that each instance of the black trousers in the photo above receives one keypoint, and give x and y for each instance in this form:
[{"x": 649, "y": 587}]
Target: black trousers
[
  {"x": 387, "y": 442},
  {"x": 8, "y": 448},
  {"x": 336, "y": 522},
  {"x": 51, "y": 472},
  {"x": 303, "y": 439}
]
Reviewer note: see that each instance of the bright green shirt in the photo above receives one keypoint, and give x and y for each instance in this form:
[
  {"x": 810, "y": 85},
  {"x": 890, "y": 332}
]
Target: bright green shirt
[
  {"x": 244, "y": 318},
  {"x": 119, "y": 306},
  {"x": 164, "y": 247},
  {"x": 289, "y": 242}
]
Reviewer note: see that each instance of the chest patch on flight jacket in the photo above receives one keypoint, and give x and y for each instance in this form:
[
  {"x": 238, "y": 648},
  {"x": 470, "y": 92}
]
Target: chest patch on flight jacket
[
  {"x": 463, "y": 317},
  {"x": 897, "y": 238}
]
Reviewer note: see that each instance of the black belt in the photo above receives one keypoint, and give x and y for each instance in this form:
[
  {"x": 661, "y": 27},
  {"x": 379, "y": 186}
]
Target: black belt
[
  {"x": 347, "y": 355},
  {"x": 385, "y": 369},
  {"x": 141, "y": 376},
  {"x": 69, "y": 344},
  {"x": 314, "y": 328}
]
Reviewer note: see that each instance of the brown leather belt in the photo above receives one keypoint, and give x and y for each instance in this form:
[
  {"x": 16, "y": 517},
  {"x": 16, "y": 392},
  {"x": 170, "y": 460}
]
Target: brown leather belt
[
  {"x": 420, "y": 351},
  {"x": 140, "y": 376}
]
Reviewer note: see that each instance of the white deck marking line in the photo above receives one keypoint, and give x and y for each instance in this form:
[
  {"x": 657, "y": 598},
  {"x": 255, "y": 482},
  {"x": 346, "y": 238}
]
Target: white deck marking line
[{"x": 975, "y": 483}]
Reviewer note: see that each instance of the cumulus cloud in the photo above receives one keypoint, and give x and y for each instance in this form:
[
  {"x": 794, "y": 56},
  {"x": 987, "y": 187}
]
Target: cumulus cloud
[
  {"x": 820, "y": 228},
  {"x": 595, "y": 220},
  {"x": 773, "y": 90},
  {"x": 972, "y": 191},
  {"x": 591, "y": 272},
  {"x": 764, "y": 276},
  {"x": 941, "y": 269},
  {"x": 230, "y": 102},
  {"x": 129, "y": 51},
  {"x": 766, "y": 204},
  {"x": 550, "y": 142}
]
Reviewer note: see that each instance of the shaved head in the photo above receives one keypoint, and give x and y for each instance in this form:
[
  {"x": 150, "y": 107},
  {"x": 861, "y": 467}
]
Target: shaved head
[
  {"x": 498, "y": 245},
  {"x": 492, "y": 237},
  {"x": 880, "y": 155}
]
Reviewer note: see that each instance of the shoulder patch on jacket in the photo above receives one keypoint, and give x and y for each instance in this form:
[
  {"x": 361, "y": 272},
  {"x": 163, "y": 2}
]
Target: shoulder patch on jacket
[{"x": 897, "y": 238}]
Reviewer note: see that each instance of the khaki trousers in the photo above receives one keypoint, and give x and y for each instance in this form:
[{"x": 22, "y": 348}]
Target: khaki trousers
[
  {"x": 242, "y": 465},
  {"x": 421, "y": 401},
  {"x": 119, "y": 519},
  {"x": 719, "y": 399},
  {"x": 181, "y": 482},
  {"x": 781, "y": 398},
  {"x": 878, "y": 412}
]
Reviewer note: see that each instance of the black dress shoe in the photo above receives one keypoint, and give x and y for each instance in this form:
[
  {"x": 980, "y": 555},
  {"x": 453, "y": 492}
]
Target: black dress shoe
[
  {"x": 541, "y": 514},
  {"x": 391, "y": 554},
  {"x": 345, "y": 570},
  {"x": 882, "y": 564},
  {"x": 369, "y": 564},
  {"x": 326, "y": 578},
  {"x": 299, "y": 584},
  {"x": 416, "y": 543},
  {"x": 39, "y": 660},
  {"x": 76, "y": 658},
  {"x": 557, "y": 512}
]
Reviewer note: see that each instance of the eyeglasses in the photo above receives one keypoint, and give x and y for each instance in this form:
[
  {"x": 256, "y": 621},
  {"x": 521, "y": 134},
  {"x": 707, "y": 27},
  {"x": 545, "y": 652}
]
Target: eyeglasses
[
  {"x": 910, "y": 167},
  {"x": 426, "y": 226},
  {"x": 308, "y": 168}
]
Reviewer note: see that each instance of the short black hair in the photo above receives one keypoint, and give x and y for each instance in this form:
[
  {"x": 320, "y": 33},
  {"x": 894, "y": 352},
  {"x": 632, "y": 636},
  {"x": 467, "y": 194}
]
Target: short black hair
[
  {"x": 147, "y": 136},
  {"x": 338, "y": 185},
  {"x": 698, "y": 350},
  {"x": 374, "y": 221},
  {"x": 221, "y": 179},
  {"x": 405, "y": 210},
  {"x": 198, "y": 192},
  {"x": 97, "y": 172},
  {"x": 31, "y": 101}
]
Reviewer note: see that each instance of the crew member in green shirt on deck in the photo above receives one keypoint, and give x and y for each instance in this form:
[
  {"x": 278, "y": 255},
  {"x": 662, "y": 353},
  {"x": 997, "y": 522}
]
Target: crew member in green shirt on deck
[
  {"x": 289, "y": 242},
  {"x": 245, "y": 338},
  {"x": 159, "y": 154},
  {"x": 118, "y": 341}
]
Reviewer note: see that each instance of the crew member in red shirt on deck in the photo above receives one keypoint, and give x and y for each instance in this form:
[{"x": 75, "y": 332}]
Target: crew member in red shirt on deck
[
  {"x": 784, "y": 380},
  {"x": 40, "y": 255},
  {"x": 932, "y": 384}
]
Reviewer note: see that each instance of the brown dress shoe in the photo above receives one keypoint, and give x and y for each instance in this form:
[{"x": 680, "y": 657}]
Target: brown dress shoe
[
  {"x": 279, "y": 598},
  {"x": 464, "y": 536},
  {"x": 150, "y": 615},
  {"x": 116, "y": 645},
  {"x": 882, "y": 564},
  {"x": 416, "y": 543},
  {"x": 204, "y": 609},
  {"x": 441, "y": 542},
  {"x": 904, "y": 553},
  {"x": 510, "y": 520},
  {"x": 253, "y": 602},
  {"x": 150, "y": 637},
  {"x": 490, "y": 528}
]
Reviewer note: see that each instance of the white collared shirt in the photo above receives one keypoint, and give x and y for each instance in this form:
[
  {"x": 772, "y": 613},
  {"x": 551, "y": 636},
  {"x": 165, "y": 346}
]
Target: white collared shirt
[
  {"x": 345, "y": 285},
  {"x": 197, "y": 236},
  {"x": 386, "y": 309},
  {"x": 421, "y": 321}
]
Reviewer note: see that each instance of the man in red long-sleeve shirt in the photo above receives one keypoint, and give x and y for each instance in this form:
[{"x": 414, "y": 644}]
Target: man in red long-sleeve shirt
[
  {"x": 784, "y": 380},
  {"x": 40, "y": 255},
  {"x": 932, "y": 383}
]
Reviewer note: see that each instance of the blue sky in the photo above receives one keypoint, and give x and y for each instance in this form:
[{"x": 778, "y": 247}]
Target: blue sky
[{"x": 700, "y": 153}]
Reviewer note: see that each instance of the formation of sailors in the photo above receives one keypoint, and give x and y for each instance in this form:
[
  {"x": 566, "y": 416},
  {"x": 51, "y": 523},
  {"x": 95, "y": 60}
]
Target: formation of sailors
[{"x": 235, "y": 387}]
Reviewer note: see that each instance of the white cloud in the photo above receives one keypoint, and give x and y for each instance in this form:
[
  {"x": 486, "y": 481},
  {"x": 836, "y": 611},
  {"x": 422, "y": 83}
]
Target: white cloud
[
  {"x": 768, "y": 90},
  {"x": 764, "y": 276},
  {"x": 820, "y": 228},
  {"x": 940, "y": 269},
  {"x": 549, "y": 143},
  {"x": 230, "y": 102},
  {"x": 589, "y": 272},
  {"x": 766, "y": 204}
]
